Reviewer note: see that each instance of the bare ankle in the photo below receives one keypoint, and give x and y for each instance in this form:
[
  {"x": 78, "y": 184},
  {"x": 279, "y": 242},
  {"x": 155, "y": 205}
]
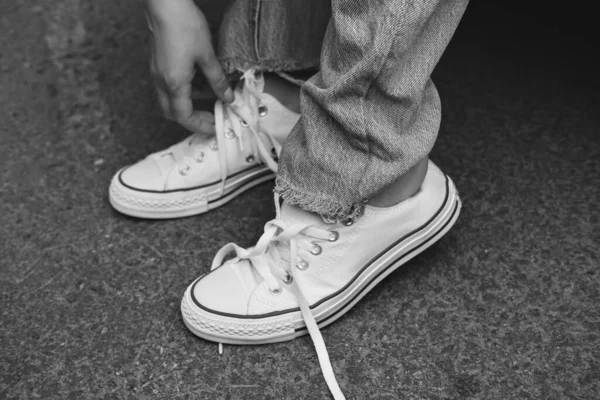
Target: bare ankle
[
  {"x": 403, "y": 188},
  {"x": 287, "y": 93}
]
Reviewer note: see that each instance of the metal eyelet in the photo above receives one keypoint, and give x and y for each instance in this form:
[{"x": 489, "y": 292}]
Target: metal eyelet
[
  {"x": 200, "y": 157},
  {"x": 288, "y": 278},
  {"x": 263, "y": 111},
  {"x": 250, "y": 159},
  {"x": 316, "y": 249},
  {"x": 348, "y": 222},
  {"x": 333, "y": 236},
  {"x": 276, "y": 291},
  {"x": 185, "y": 170},
  {"x": 214, "y": 146},
  {"x": 244, "y": 123},
  {"x": 229, "y": 134},
  {"x": 302, "y": 265}
]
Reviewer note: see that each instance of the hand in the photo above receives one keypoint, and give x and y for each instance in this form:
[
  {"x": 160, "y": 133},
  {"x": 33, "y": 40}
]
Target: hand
[{"x": 180, "y": 43}]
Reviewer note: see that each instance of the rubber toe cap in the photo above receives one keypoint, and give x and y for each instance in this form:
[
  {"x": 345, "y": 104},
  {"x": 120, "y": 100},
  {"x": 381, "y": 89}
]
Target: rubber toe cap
[
  {"x": 223, "y": 291},
  {"x": 144, "y": 175}
]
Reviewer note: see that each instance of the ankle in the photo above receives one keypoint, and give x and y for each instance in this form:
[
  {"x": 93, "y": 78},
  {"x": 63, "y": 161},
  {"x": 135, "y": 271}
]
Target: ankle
[
  {"x": 403, "y": 188},
  {"x": 287, "y": 93}
]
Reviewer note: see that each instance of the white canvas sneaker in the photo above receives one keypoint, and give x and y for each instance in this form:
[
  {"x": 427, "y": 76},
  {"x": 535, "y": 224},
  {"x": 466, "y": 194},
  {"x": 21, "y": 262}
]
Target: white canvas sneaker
[
  {"x": 200, "y": 173},
  {"x": 303, "y": 273}
]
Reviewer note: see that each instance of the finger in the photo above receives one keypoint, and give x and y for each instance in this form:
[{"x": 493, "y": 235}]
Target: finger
[
  {"x": 204, "y": 122},
  {"x": 182, "y": 112},
  {"x": 207, "y": 119},
  {"x": 197, "y": 123},
  {"x": 215, "y": 76},
  {"x": 180, "y": 101},
  {"x": 163, "y": 101},
  {"x": 161, "y": 89}
]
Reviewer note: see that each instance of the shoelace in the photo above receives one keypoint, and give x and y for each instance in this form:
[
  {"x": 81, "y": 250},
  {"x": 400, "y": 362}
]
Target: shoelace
[
  {"x": 266, "y": 258},
  {"x": 235, "y": 119}
]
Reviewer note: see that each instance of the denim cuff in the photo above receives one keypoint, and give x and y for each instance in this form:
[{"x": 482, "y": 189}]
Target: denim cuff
[
  {"x": 232, "y": 65},
  {"x": 331, "y": 210}
]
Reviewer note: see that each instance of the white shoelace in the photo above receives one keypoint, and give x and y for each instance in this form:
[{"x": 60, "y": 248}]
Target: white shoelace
[
  {"x": 266, "y": 257},
  {"x": 238, "y": 120}
]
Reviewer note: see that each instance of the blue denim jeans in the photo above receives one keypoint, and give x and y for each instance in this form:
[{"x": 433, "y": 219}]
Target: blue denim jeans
[{"x": 371, "y": 112}]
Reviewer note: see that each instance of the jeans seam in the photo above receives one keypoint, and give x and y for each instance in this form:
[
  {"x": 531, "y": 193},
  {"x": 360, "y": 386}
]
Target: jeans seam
[
  {"x": 363, "y": 98},
  {"x": 256, "y": 20}
]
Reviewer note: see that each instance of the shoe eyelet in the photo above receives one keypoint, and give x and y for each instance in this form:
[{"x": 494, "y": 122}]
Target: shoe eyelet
[
  {"x": 185, "y": 170},
  {"x": 316, "y": 249},
  {"x": 302, "y": 265},
  {"x": 276, "y": 291},
  {"x": 229, "y": 134},
  {"x": 244, "y": 123},
  {"x": 347, "y": 222},
  {"x": 263, "y": 111},
  {"x": 288, "y": 278},
  {"x": 334, "y": 236},
  {"x": 250, "y": 159},
  {"x": 214, "y": 146},
  {"x": 200, "y": 157}
]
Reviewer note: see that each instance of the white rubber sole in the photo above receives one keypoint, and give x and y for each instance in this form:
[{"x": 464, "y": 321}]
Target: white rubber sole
[
  {"x": 182, "y": 203},
  {"x": 287, "y": 326}
]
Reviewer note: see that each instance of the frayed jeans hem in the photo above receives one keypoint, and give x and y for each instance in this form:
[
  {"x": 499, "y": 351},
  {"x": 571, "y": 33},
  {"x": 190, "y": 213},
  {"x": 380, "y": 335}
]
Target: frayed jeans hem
[
  {"x": 236, "y": 64},
  {"x": 329, "y": 209}
]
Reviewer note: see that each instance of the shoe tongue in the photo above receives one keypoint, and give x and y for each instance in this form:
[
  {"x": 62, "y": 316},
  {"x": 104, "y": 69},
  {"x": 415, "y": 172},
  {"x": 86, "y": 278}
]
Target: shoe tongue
[
  {"x": 272, "y": 103},
  {"x": 293, "y": 215},
  {"x": 238, "y": 98}
]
